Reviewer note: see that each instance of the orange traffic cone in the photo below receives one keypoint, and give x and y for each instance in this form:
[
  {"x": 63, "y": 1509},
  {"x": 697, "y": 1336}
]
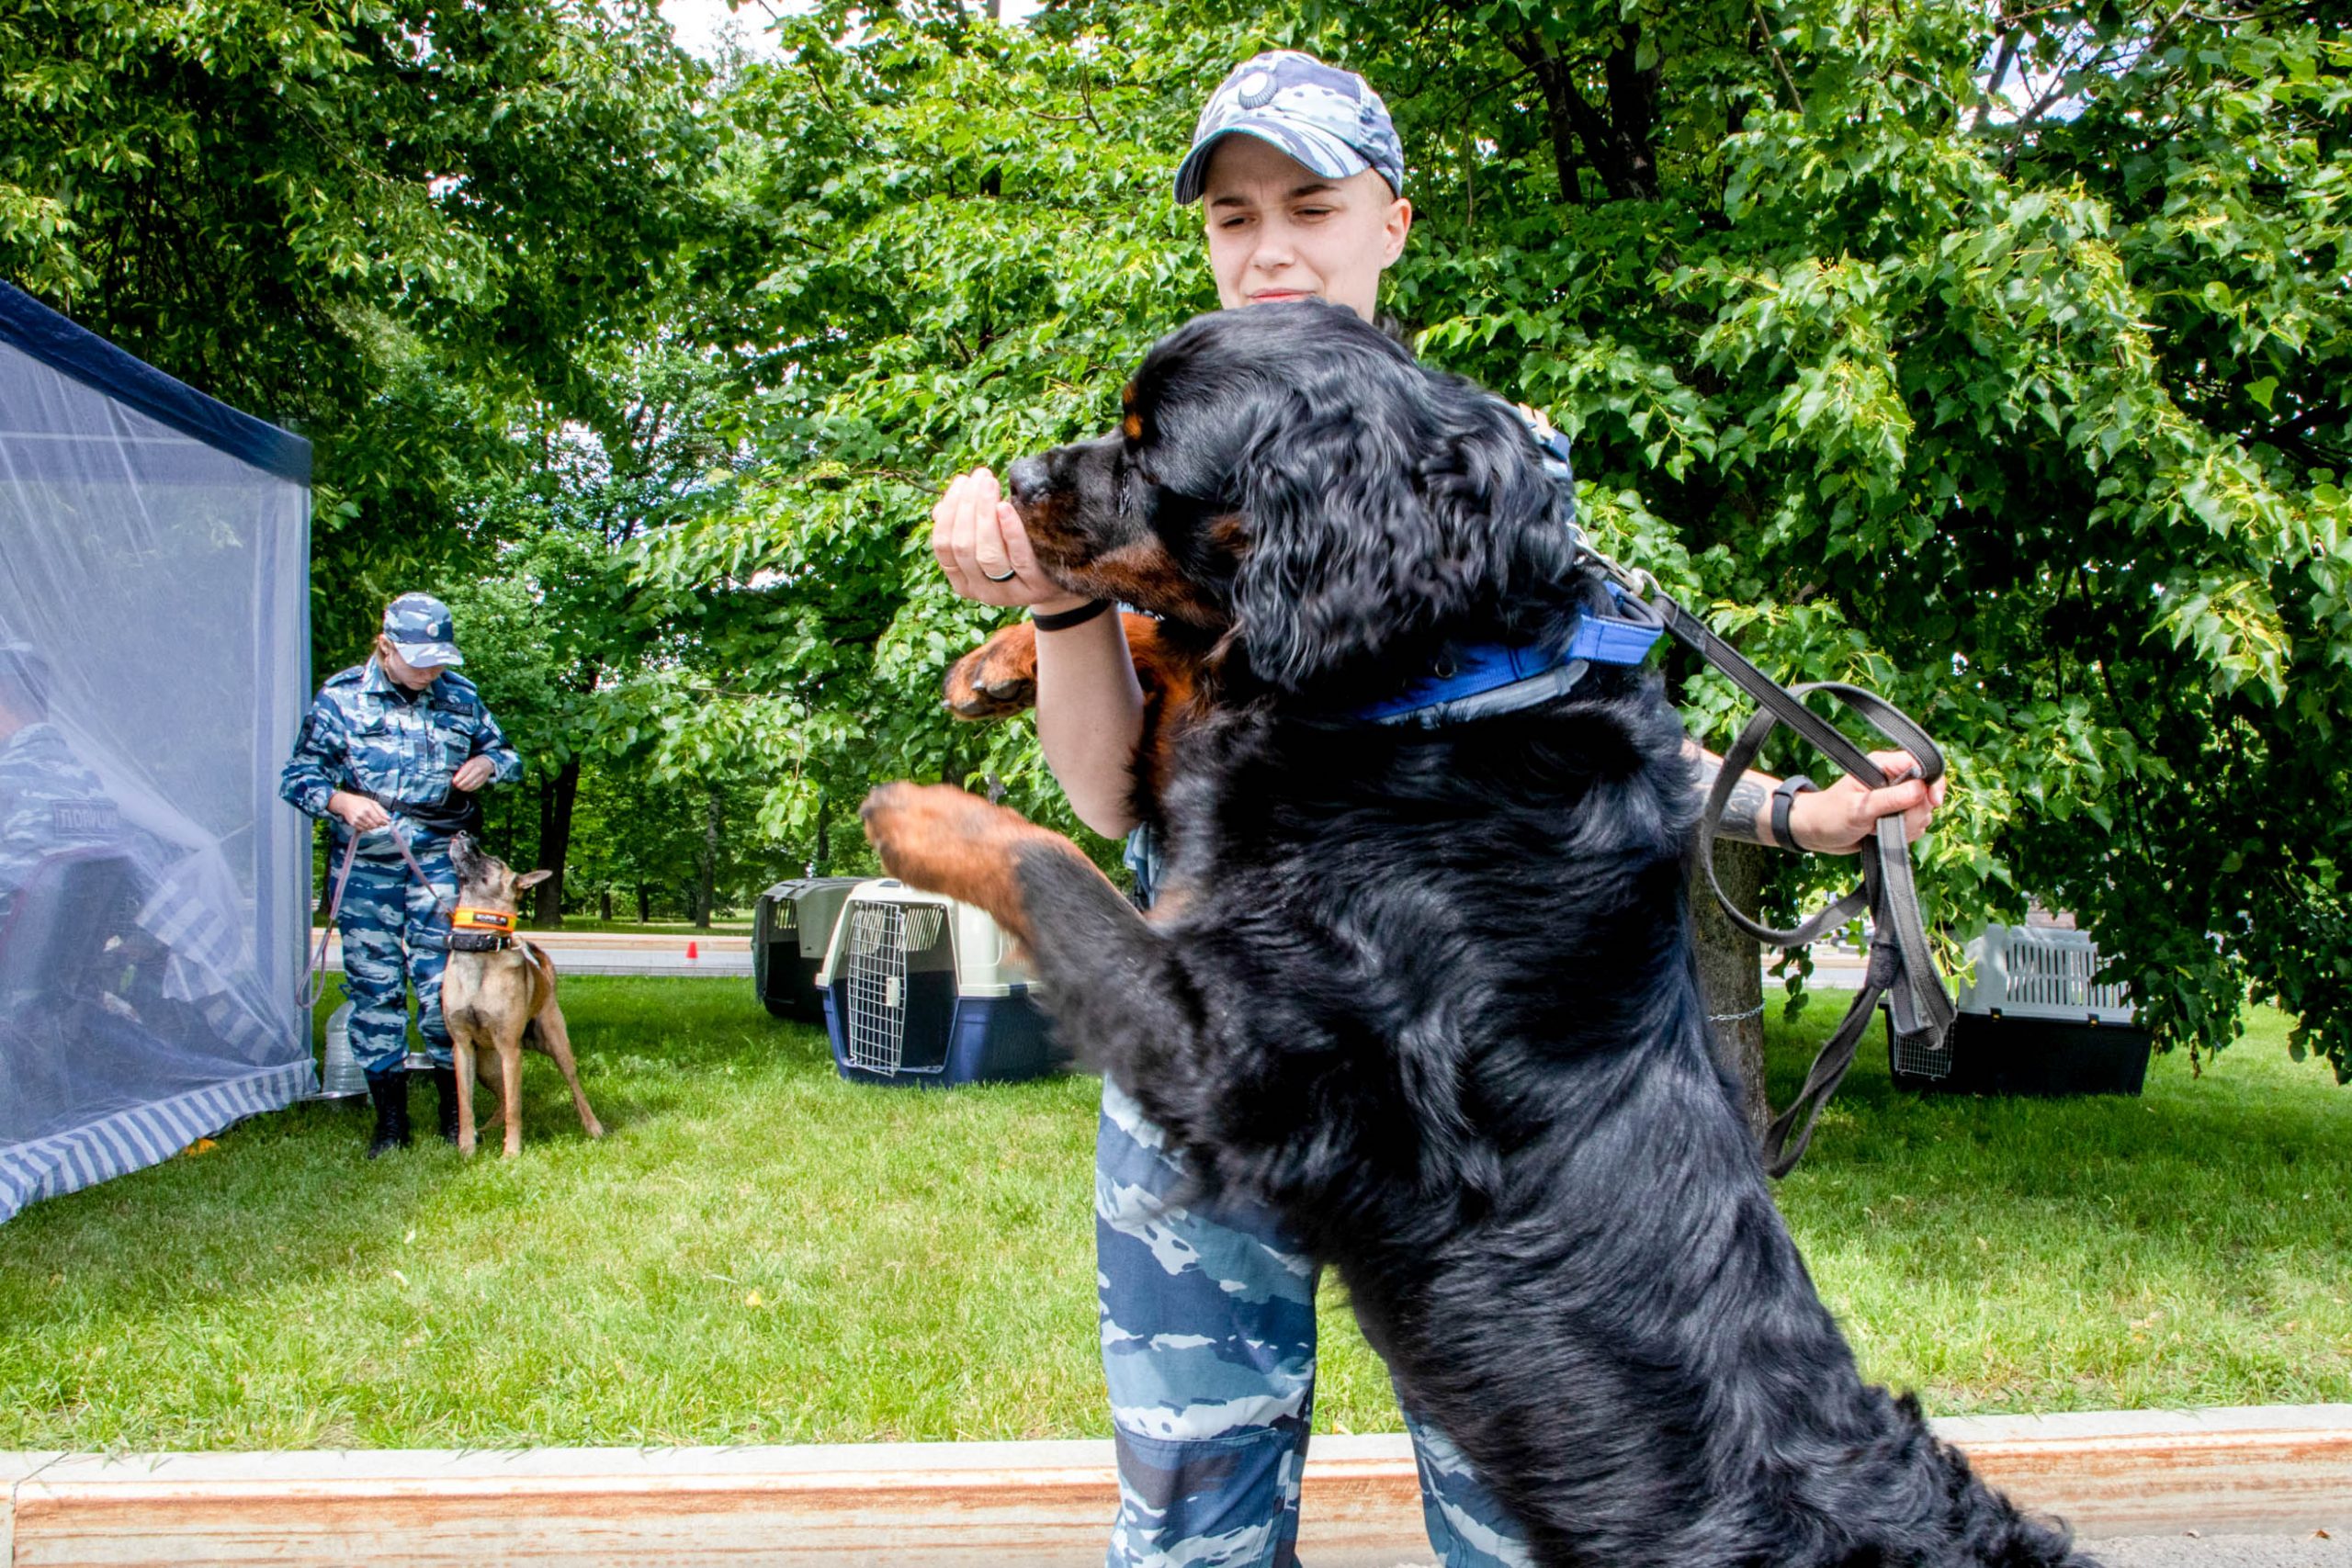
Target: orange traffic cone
[{"x": 691, "y": 952}]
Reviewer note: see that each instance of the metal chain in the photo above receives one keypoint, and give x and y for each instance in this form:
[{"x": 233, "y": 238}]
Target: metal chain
[{"x": 1734, "y": 1017}]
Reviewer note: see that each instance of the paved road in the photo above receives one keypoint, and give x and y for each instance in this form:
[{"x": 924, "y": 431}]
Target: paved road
[{"x": 605, "y": 953}]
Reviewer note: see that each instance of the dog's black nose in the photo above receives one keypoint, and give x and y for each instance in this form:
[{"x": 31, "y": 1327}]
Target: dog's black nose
[{"x": 1025, "y": 480}]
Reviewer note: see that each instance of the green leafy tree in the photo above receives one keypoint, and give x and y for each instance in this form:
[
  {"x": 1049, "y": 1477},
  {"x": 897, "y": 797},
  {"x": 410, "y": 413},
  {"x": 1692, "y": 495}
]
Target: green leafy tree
[
  {"x": 390, "y": 223},
  {"x": 1971, "y": 401},
  {"x": 1988, "y": 354}
]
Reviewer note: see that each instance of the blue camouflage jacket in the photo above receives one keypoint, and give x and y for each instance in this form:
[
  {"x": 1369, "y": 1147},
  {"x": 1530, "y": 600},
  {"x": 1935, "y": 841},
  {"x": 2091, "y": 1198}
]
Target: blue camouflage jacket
[
  {"x": 365, "y": 733},
  {"x": 49, "y": 801}
]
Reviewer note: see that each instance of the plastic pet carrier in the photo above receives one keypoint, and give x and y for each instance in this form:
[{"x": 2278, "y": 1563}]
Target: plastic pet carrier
[
  {"x": 922, "y": 989},
  {"x": 2035, "y": 1022},
  {"x": 791, "y": 927}
]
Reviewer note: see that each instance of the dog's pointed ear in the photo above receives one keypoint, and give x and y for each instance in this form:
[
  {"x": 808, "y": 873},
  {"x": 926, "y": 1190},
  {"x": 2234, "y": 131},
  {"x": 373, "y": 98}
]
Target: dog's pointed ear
[{"x": 531, "y": 879}]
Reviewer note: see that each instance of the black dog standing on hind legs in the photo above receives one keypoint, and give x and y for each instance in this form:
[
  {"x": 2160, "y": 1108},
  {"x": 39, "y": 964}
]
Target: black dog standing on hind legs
[{"x": 1428, "y": 992}]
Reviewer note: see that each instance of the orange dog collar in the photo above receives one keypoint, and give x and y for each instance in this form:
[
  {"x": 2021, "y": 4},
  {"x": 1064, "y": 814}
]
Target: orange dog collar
[{"x": 470, "y": 919}]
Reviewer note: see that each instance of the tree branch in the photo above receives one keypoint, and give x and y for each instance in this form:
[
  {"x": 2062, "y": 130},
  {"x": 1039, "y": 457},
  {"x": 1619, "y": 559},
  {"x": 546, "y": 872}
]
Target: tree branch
[
  {"x": 2001, "y": 63},
  {"x": 1796, "y": 99}
]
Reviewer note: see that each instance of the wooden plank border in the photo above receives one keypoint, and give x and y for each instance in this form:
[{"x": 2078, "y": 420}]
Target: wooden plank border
[{"x": 965, "y": 1504}]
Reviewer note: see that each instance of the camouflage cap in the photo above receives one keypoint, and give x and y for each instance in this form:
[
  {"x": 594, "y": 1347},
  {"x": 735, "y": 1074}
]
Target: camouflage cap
[
  {"x": 1328, "y": 119},
  {"x": 420, "y": 628}
]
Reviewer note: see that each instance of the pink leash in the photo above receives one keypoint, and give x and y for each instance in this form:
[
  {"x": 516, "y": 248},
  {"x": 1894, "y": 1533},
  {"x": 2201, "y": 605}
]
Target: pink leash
[{"x": 315, "y": 984}]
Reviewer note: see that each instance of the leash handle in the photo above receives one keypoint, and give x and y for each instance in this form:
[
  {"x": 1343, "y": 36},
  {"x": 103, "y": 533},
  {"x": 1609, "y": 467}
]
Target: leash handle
[
  {"x": 1901, "y": 965},
  {"x": 314, "y": 985},
  {"x": 1889, "y": 891}
]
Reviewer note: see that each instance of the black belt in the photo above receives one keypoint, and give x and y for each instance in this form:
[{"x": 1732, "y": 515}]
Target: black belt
[
  {"x": 456, "y": 812},
  {"x": 1902, "y": 969}
]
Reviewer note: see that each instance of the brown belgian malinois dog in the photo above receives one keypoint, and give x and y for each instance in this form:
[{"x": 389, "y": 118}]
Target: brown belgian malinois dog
[{"x": 498, "y": 996}]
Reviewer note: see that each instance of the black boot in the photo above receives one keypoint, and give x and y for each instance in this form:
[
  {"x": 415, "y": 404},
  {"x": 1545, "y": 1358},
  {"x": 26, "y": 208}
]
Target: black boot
[
  {"x": 390, "y": 1091},
  {"x": 444, "y": 1086}
]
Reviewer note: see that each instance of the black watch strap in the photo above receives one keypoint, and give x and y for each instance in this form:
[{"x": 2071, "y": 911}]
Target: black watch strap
[
  {"x": 1784, "y": 794},
  {"x": 1062, "y": 620}
]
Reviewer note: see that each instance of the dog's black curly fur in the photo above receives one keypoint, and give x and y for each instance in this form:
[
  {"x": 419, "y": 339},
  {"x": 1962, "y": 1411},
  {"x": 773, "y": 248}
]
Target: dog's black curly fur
[{"x": 1429, "y": 994}]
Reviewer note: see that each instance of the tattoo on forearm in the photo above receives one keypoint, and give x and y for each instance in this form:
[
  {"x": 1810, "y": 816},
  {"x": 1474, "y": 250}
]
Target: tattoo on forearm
[{"x": 1749, "y": 796}]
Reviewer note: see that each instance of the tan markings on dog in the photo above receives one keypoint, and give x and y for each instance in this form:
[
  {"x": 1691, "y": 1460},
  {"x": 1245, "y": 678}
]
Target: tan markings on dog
[
  {"x": 1145, "y": 573},
  {"x": 943, "y": 839},
  {"x": 500, "y": 1004},
  {"x": 1230, "y": 534},
  {"x": 1132, "y": 426},
  {"x": 997, "y": 678}
]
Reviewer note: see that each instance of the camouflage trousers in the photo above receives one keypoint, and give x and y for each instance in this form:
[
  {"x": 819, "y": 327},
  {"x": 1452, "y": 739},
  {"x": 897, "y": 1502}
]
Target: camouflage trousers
[
  {"x": 1208, "y": 1342},
  {"x": 395, "y": 931}
]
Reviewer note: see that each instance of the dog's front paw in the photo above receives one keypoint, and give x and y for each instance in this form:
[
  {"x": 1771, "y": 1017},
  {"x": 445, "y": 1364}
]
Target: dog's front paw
[
  {"x": 997, "y": 678},
  {"x": 943, "y": 839}
]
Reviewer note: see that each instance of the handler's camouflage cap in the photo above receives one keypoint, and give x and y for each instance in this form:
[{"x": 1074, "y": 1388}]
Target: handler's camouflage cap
[
  {"x": 1328, "y": 119},
  {"x": 420, "y": 627}
]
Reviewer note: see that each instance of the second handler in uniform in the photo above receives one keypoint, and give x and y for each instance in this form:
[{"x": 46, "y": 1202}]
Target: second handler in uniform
[{"x": 398, "y": 746}]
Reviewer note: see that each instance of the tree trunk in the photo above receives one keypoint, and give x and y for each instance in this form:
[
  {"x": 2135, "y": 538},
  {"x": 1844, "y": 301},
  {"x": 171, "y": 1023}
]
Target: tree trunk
[
  {"x": 604, "y": 906},
  {"x": 707, "y": 862},
  {"x": 1613, "y": 137},
  {"x": 1552, "y": 76},
  {"x": 644, "y": 905},
  {"x": 1730, "y": 973},
  {"x": 557, "y": 798},
  {"x": 821, "y": 862}
]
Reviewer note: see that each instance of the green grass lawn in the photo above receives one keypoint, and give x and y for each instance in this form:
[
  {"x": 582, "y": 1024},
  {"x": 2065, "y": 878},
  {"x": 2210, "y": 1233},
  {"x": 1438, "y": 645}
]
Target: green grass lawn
[{"x": 761, "y": 1252}]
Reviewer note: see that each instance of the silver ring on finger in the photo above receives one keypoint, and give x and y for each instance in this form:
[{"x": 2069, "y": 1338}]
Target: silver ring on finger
[{"x": 1008, "y": 577}]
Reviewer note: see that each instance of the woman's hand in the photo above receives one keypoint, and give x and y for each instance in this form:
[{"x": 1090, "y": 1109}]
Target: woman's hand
[
  {"x": 359, "y": 813},
  {"x": 985, "y": 552},
  {"x": 1840, "y": 821}
]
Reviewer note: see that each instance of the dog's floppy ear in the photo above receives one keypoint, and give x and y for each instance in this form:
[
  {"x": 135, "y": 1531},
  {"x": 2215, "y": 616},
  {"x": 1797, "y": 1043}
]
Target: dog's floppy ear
[
  {"x": 531, "y": 879},
  {"x": 1384, "y": 514},
  {"x": 1341, "y": 552}
]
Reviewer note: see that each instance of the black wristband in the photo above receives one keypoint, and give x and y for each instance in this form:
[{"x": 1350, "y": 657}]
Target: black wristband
[
  {"x": 1784, "y": 794},
  {"x": 1062, "y": 620}
]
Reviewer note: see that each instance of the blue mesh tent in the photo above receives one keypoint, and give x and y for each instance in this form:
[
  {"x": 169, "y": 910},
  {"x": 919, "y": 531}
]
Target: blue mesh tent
[{"x": 154, "y": 660}]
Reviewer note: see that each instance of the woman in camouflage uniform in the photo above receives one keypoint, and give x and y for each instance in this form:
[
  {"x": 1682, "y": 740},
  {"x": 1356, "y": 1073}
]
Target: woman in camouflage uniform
[
  {"x": 1208, "y": 1318},
  {"x": 392, "y": 752}
]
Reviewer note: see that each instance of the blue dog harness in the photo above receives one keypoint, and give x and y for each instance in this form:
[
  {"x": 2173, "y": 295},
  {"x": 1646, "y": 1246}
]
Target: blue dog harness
[{"x": 1485, "y": 679}]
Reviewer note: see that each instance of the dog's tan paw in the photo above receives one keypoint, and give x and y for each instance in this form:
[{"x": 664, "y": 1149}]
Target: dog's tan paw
[
  {"x": 997, "y": 678},
  {"x": 944, "y": 840}
]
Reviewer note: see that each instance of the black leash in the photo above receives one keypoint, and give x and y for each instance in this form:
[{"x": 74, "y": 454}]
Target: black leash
[{"x": 1902, "y": 969}]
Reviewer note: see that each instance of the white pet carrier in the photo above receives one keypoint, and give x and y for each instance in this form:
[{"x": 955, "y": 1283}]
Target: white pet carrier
[
  {"x": 918, "y": 988},
  {"x": 2041, "y": 971},
  {"x": 2033, "y": 1022}
]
